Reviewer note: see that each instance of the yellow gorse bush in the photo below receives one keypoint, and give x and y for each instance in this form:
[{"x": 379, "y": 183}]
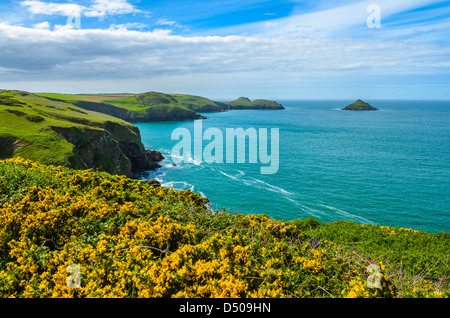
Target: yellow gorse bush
[{"x": 129, "y": 239}]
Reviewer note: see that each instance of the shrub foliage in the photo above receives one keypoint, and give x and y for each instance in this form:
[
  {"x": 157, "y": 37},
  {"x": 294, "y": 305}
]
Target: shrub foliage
[{"x": 129, "y": 239}]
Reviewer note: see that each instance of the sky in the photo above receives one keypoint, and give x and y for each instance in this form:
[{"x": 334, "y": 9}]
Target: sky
[{"x": 287, "y": 49}]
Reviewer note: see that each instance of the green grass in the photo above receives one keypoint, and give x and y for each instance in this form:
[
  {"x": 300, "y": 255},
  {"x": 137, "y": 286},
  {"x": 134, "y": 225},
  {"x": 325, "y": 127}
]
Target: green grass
[
  {"x": 199, "y": 104},
  {"x": 34, "y": 140},
  {"x": 129, "y": 103},
  {"x": 63, "y": 96}
]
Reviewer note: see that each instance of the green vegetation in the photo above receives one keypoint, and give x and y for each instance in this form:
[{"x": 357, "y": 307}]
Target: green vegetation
[
  {"x": 59, "y": 133},
  {"x": 130, "y": 239}
]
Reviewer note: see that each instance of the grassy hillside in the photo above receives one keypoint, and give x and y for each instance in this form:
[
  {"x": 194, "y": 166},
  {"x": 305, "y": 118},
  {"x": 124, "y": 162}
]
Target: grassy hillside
[
  {"x": 199, "y": 104},
  {"x": 155, "y": 106},
  {"x": 55, "y": 132},
  {"x": 129, "y": 239}
]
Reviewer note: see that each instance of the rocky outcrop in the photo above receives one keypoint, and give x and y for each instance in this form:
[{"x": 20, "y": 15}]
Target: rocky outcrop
[
  {"x": 154, "y": 183},
  {"x": 141, "y": 159},
  {"x": 154, "y": 157},
  {"x": 360, "y": 106},
  {"x": 9, "y": 144}
]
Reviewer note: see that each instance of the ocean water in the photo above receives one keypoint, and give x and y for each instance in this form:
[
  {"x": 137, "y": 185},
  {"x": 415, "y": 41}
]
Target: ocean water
[{"x": 389, "y": 167}]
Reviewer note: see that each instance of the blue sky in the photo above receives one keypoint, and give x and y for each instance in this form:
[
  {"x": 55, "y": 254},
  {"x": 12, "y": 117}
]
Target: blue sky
[{"x": 225, "y": 49}]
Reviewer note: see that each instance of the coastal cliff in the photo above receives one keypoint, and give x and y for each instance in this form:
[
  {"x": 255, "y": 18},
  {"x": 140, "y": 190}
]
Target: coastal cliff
[
  {"x": 155, "y": 113},
  {"x": 55, "y": 132},
  {"x": 98, "y": 149},
  {"x": 156, "y": 106}
]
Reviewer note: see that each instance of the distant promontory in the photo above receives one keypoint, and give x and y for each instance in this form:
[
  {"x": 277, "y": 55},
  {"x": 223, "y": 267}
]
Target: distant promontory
[
  {"x": 156, "y": 106},
  {"x": 359, "y": 105}
]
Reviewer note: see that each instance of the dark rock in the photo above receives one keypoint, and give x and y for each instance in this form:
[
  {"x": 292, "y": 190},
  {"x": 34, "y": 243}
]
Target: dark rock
[
  {"x": 154, "y": 183},
  {"x": 34, "y": 118},
  {"x": 153, "y": 158},
  {"x": 154, "y": 155},
  {"x": 9, "y": 144}
]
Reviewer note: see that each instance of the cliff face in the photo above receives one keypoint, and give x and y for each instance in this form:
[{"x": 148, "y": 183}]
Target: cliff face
[
  {"x": 95, "y": 149},
  {"x": 7, "y": 146},
  {"x": 103, "y": 108},
  {"x": 98, "y": 149},
  {"x": 156, "y": 113}
]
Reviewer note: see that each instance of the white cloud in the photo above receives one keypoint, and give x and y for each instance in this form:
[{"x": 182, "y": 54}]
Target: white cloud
[
  {"x": 67, "y": 26},
  {"x": 120, "y": 53},
  {"x": 51, "y": 8},
  {"x": 165, "y": 22},
  {"x": 127, "y": 26},
  {"x": 102, "y": 8},
  {"x": 168, "y": 23},
  {"x": 327, "y": 22},
  {"x": 42, "y": 25},
  {"x": 98, "y": 8}
]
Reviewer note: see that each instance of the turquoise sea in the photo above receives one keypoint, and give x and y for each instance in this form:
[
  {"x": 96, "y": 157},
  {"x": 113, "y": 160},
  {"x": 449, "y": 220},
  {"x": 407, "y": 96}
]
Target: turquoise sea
[{"x": 388, "y": 167}]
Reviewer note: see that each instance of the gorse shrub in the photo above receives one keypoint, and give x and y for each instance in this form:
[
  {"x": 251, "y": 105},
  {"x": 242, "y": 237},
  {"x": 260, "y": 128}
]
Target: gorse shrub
[{"x": 129, "y": 239}]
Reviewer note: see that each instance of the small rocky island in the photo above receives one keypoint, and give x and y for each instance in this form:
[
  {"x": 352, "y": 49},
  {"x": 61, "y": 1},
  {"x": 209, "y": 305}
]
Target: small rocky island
[{"x": 359, "y": 105}]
